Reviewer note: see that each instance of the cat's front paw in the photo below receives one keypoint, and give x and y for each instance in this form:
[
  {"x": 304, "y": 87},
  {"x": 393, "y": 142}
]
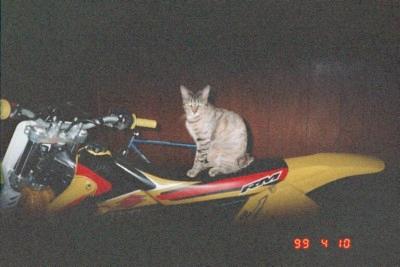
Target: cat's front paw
[
  {"x": 192, "y": 173},
  {"x": 213, "y": 172}
]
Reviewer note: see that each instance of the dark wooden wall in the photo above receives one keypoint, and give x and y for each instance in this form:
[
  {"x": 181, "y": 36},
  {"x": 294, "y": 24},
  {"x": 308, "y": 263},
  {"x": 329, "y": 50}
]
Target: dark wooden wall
[
  {"x": 290, "y": 111},
  {"x": 307, "y": 77},
  {"x": 322, "y": 107}
]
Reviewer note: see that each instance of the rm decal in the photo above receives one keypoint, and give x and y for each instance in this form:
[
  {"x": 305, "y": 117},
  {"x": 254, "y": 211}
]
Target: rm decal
[{"x": 266, "y": 180}]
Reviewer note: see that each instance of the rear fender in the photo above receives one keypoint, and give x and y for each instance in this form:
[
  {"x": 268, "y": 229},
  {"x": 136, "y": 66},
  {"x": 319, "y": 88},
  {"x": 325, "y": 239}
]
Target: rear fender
[
  {"x": 310, "y": 172},
  {"x": 307, "y": 173}
]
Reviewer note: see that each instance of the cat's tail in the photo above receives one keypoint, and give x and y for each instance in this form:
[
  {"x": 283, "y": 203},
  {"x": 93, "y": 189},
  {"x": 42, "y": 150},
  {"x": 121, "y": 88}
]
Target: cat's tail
[{"x": 245, "y": 161}]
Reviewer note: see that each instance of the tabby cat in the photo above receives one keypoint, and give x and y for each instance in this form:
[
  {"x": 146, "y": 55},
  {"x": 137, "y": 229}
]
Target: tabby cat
[{"x": 220, "y": 135}]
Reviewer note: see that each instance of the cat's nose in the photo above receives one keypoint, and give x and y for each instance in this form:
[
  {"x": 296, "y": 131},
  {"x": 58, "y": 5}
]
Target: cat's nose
[{"x": 194, "y": 109}]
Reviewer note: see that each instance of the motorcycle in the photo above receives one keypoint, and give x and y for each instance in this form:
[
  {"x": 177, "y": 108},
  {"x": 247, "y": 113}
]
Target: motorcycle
[{"x": 50, "y": 167}]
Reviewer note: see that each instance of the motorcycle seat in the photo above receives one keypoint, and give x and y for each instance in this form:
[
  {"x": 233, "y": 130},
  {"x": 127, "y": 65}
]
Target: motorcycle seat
[{"x": 258, "y": 165}]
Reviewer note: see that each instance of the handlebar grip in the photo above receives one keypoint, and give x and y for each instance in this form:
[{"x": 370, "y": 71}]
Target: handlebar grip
[
  {"x": 143, "y": 122},
  {"x": 5, "y": 109}
]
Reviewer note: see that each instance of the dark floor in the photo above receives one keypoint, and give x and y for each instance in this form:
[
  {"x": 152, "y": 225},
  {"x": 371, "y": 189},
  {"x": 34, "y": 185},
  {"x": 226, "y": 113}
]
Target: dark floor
[{"x": 363, "y": 209}]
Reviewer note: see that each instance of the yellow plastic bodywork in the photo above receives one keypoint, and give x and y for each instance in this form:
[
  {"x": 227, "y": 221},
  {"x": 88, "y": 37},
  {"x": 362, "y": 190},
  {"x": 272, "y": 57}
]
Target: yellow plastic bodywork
[
  {"x": 80, "y": 188},
  {"x": 152, "y": 197},
  {"x": 5, "y": 109},
  {"x": 287, "y": 198},
  {"x": 310, "y": 172},
  {"x": 117, "y": 203},
  {"x": 168, "y": 185},
  {"x": 307, "y": 173}
]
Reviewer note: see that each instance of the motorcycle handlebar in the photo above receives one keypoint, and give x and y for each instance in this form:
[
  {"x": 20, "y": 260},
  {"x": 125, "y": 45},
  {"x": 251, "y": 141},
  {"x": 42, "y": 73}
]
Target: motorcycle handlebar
[
  {"x": 141, "y": 122},
  {"x": 7, "y": 110},
  {"x": 120, "y": 121}
]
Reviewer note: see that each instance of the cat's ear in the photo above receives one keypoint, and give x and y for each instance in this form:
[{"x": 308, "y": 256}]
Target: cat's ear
[
  {"x": 186, "y": 94},
  {"x": 205, "y": 92}
]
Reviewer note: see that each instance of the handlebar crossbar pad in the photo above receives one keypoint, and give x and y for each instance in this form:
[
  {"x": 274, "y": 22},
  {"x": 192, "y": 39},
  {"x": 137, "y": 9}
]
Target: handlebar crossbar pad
[
  {"x": 5, "y": 109},
  {"x": 140, "y": 122}
]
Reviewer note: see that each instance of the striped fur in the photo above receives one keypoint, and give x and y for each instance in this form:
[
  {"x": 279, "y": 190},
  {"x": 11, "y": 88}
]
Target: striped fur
[{"x": 220, "y": 135}]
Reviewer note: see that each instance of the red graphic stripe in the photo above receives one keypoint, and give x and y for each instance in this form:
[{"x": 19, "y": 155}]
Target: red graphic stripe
[
  {"x": 131, "y": 201},
  {"x": 103, "y": 186},
  {"x": 219, "y": 186}
]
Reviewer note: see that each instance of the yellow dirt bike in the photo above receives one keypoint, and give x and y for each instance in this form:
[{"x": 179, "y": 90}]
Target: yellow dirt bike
[{"x": 50, "y": 167}]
